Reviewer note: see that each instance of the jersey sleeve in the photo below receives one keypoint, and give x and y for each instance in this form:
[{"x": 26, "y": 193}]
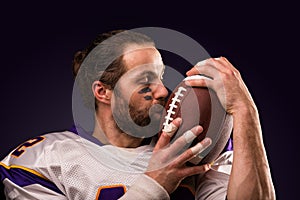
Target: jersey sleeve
[
  {"x": 146, "y": 188},
  {"x": 24, "y": 174}
]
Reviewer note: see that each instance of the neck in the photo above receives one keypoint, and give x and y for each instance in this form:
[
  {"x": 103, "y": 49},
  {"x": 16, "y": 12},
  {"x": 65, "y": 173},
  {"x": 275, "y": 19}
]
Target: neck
[{"x": 107, "y": 131}]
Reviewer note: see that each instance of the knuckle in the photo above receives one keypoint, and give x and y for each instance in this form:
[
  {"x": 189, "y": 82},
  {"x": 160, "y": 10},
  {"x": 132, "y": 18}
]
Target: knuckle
[
  {"x": 237, "y": 73},
  {"x": 173, "y": 166},
  {"x": 190, "y": 153},
  {"x": 165, "y": 158},
  {"x": 233, "y": 73},
  {"x": 223, "y": 58},
  {"x": 211, "y": 61},
  {"x": 228, "y": 73},
  {"x": 164, "y": 136},
  {"x": 204, "y": 168},
  {"x": 180, "y": 142},
  {"x": 181, "y": 174}
]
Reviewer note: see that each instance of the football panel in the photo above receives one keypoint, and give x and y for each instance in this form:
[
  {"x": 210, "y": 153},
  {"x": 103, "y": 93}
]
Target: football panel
[{"x": 198, "y": 105}]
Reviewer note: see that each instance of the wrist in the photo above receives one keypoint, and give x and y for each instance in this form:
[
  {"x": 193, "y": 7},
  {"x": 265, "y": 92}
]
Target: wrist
[{"x": 153, "y": 190}]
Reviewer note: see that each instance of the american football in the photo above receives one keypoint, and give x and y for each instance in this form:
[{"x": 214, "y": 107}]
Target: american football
[{"x": 199, "y": 106}]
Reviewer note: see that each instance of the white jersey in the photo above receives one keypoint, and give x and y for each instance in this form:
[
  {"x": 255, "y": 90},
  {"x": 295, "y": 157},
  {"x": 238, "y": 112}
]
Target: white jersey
[{"x": 66, "y": 166}]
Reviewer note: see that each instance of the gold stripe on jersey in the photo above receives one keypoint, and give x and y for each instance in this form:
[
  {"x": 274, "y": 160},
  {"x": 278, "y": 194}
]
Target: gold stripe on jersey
[{"x": 25, "y": 169}]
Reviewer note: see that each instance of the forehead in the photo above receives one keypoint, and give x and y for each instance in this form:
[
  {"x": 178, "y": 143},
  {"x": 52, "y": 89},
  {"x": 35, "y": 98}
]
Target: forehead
[{"x": 139, "y": 56}]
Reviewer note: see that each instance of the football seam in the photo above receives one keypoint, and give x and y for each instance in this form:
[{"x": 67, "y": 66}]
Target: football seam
[{"x": 172, "y": 105}]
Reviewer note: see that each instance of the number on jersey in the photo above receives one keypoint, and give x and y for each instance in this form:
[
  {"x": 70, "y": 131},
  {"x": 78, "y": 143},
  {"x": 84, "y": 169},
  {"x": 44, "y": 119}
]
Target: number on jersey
[{"x": 30, "y": 143}]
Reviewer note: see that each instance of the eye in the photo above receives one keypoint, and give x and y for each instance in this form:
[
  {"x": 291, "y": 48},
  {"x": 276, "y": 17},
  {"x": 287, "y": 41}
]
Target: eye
[{"x": 145, "y": 80}]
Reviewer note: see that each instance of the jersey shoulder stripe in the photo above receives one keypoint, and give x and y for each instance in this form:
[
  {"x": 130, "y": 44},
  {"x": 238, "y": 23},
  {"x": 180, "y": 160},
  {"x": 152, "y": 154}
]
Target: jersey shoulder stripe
[{"x": 24, "y": 177}]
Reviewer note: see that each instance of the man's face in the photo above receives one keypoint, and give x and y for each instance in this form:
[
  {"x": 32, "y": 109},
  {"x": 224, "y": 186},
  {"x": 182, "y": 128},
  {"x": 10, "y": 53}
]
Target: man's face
[{"x": 140, "y": 94}]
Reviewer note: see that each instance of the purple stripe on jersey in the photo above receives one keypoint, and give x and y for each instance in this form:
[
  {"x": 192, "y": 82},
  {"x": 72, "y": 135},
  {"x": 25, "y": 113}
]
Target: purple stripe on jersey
[
  {"x": 73, "y": 129},
  {"x": 229, "y": 146},
  {"x": 23, "y": 178},
  {"x": 110, "y": 193}
]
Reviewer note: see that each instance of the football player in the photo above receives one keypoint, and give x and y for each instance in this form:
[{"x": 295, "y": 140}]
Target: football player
[{"x": 119, "y": 77}]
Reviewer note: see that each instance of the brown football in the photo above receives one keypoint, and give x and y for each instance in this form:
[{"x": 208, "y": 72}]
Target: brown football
[{"x": 199, "y": 106}]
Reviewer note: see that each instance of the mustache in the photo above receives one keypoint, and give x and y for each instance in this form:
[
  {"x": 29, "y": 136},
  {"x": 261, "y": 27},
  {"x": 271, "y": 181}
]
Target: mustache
[{"x": 161, "y": 101}]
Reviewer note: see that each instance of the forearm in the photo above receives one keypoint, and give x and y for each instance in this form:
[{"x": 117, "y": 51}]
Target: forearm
[{"x": 250, "y": 176}]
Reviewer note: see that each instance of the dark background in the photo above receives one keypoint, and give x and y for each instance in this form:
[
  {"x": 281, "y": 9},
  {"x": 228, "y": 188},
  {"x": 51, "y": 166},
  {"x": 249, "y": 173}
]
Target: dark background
[{"x": 38, "y": 40}]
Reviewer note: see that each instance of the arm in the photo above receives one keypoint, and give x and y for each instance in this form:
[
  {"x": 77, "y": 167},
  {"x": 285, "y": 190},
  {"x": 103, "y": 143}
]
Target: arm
[
  {"x": 250, "y": 176},
  {"x": 146, "y": 188},
  {"x": 249, "y": 158},
  {"x": 23, "y": 176},
  {"x": 167, "y": 167}
]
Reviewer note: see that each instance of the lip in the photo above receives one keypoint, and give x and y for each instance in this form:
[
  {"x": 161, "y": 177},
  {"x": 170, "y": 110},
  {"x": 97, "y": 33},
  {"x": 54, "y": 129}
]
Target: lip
[{"x": 156, "y": 108}]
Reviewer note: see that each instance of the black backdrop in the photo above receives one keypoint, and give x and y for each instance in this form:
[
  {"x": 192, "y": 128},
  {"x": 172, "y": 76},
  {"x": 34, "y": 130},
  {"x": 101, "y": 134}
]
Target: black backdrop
[{"x": 38, "y": 41}]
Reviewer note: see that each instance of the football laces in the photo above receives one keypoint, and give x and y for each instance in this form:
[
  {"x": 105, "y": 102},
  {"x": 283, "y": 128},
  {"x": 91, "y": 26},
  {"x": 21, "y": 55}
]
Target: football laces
[{"x": 176, "y": 99}]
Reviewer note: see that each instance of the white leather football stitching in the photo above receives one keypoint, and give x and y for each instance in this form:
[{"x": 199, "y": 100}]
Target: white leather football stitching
[{"x": 175, "y": 99}]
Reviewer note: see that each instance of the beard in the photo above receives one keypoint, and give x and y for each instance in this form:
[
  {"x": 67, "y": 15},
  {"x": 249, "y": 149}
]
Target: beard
[
  {"x": 140, "y": 117},
  {"x": 137, "y": 122}
]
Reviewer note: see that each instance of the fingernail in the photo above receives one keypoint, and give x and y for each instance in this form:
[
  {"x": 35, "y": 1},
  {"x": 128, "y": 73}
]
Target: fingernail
[
  {"x": 206, "y": 142},
  {"x": 199, "y": 129}
]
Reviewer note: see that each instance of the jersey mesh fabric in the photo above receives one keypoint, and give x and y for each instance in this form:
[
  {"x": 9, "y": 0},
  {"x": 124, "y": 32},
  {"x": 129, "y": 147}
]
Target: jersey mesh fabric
[{"x": 85, "y": 166}]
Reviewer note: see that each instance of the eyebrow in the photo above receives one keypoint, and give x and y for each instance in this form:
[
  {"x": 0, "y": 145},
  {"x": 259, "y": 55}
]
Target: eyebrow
[
  {"x": 142, "y": 72},
  {"x": 150, "y": 72},
  {"x": 140, "y": 76},
  {"x": 147, "y": 73}
]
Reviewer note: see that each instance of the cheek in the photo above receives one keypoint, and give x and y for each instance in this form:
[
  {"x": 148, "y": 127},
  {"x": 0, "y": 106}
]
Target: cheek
[
  {"x": 141, "y": 100},
  {"x": 147, "y": 93}
]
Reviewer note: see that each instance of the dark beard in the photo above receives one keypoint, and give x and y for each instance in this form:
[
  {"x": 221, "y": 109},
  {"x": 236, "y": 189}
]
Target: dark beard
[
  {"x": 140, "y": 117},
  {"x": 136, "y": 123}
]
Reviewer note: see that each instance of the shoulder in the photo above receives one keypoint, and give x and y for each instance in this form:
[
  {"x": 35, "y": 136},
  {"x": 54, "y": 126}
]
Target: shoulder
[{"x": 33, "y": 150}]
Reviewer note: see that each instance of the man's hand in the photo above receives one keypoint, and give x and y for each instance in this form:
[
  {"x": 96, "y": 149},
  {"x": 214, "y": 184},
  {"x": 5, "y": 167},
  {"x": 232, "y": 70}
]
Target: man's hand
[
  {"x": 250, "y": 175},
  {"x": 226, "y": 82},
  {"x": 167, "y": 165}
]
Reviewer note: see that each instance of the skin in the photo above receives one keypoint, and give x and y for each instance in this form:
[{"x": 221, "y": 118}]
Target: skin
[
  {"x": 170, "y": 174},
  {"x": 250, "y": 176},
  {"x": 141, "y": 88},
  {"x": 130, "y": 87}
]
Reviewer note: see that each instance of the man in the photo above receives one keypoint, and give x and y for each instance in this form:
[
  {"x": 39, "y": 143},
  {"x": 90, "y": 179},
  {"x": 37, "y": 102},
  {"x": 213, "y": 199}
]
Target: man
[{"x": 120, "y": 78}]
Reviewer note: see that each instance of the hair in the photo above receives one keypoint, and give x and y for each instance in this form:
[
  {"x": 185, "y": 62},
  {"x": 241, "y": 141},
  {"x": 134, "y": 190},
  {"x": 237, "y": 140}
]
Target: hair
[
  {"x": 80, "y": 55},
  {"x": 102, "y": 60}
]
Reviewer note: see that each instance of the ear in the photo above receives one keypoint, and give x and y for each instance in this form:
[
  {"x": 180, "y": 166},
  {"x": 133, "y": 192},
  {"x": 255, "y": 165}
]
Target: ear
[{"x": 101, "y": 92}]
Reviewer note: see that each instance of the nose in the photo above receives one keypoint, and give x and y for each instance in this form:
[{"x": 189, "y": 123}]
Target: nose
[{"x": 160, "y": 91}]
